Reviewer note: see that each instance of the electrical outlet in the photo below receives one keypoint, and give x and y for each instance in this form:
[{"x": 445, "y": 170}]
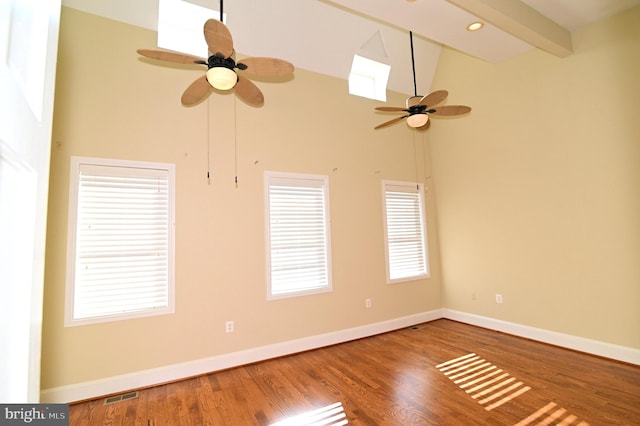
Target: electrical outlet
[
  {"x": 367, "y": 303},
  {"x": 498, "y": 298},
  {"x": 228, "y": 327}
]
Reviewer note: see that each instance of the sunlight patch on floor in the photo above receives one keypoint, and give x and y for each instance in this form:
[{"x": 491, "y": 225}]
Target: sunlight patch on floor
[
  {"x": 331, "y": 415},
  {"x": 491, "y": 387},
  {"x": 545, "y": 416}
]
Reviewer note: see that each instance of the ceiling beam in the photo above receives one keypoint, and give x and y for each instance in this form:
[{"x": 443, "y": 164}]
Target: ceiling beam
[{"x": 521, "y": 21}]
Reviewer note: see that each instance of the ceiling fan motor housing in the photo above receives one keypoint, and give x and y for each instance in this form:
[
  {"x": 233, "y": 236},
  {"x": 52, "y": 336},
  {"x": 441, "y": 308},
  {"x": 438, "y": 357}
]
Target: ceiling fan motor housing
[
  {"x": 219, "y": 61},
  {"x": 417, "y": 109}
]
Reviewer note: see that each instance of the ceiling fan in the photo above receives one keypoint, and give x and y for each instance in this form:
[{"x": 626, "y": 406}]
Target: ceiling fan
[
  {"x": 221, "y": 67},
  {"x": 419, "y": 108}
]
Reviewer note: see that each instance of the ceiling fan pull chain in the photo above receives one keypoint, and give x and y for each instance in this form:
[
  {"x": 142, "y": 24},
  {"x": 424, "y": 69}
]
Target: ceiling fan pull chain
[{"x": 208, "y": 143}]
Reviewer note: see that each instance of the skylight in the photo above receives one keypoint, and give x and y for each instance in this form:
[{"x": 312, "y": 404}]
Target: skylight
[
  {"x": 180, "y": 26},
  {"x": 368, "y": 78}
]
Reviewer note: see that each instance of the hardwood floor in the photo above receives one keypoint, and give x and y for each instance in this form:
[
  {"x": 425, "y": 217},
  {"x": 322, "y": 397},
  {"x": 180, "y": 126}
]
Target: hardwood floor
[{"x": 439, "y": 373}]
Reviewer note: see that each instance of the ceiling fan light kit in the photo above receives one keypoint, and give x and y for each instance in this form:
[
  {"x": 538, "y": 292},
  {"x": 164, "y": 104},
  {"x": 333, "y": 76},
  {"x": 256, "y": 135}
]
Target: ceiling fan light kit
[
  {"x": 417, "y": 120},
  {"x": 221, "y": 78}
]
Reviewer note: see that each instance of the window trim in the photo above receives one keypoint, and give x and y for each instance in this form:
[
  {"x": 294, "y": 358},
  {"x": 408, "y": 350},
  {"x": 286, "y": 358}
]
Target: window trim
[
  {"x": 412, "y": 187},
  {"x": 297, "y": 179},
  {"x": 74, "y": 181}
]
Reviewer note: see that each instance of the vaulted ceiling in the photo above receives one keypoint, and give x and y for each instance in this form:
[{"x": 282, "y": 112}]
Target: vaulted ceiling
[{"x": 323, "y": 35}]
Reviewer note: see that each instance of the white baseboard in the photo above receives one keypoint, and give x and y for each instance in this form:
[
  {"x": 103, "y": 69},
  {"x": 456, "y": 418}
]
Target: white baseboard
[
  {"x": 170, "y": 373},
  {"x": 594, "y": 347},
  {"x": 146, "y": 378}
]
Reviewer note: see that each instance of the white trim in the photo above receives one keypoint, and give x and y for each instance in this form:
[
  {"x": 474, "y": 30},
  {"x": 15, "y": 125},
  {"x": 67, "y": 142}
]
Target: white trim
[
  {"x": 302, "y": 181},
  {"x": 593, "y": 347},
  {"x": 170, "y": 373},
  {"x": 145, "y": 168},
  {"x": 409, "y": 187},
  {"x": 155, "y": 376}
]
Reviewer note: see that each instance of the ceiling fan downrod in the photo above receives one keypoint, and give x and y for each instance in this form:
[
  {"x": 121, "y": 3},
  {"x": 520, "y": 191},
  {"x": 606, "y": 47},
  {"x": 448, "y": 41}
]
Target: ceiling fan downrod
[
  {"x": 413, "y": 65},
  {"x": 412, "y": 110}
]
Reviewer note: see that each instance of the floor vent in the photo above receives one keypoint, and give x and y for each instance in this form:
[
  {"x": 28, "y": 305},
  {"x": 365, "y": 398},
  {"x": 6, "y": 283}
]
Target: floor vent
[{"x": 122, "y": 397}]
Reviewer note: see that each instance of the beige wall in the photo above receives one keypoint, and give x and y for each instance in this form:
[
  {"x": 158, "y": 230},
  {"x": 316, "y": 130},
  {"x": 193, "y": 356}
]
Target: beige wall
[
  {"x": 110, "y": 103},
  {"x": 538, "y": 189}
]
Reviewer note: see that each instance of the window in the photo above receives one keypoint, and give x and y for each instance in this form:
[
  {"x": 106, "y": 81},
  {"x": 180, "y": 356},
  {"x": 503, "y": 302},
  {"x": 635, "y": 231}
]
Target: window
[
  {"x": 180, "y": 26},
  {"x": 121, "y": 240},
  {"x": 297, "y": 224},
  {"x": 368, "y": 78},
  {"x": 405, "y": 231}
]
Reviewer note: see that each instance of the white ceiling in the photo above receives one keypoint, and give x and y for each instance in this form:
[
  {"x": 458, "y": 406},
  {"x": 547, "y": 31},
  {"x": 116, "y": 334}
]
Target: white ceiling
[{"x": 323, "y": 35}]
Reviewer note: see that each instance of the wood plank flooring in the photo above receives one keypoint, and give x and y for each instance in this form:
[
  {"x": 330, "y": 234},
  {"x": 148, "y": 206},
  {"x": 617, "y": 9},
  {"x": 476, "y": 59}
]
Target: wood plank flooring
[{"x": 438, "y": 373}]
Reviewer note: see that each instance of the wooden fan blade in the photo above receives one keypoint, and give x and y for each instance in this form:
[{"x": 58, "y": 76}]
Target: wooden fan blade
[
  {"x": 249, "y": 92},
  {"x": 218, "y": 38},
  {"x": 391, "y": 109},
  {"x": 390, "y": 122},
  {"x": 197, "y": 91},
  {"x": 434, "y": 98},
  {"x": 176, "y": 58},
  {"x": 448, "y": 110},
  {"x": 269, "y": 67}
]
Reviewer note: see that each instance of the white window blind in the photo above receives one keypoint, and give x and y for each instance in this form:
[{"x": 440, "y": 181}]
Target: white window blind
[
  {"x": 297, "y": 234},
  {"x": 121, "y": 230},
  {"x": 405, "y": 231}
]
